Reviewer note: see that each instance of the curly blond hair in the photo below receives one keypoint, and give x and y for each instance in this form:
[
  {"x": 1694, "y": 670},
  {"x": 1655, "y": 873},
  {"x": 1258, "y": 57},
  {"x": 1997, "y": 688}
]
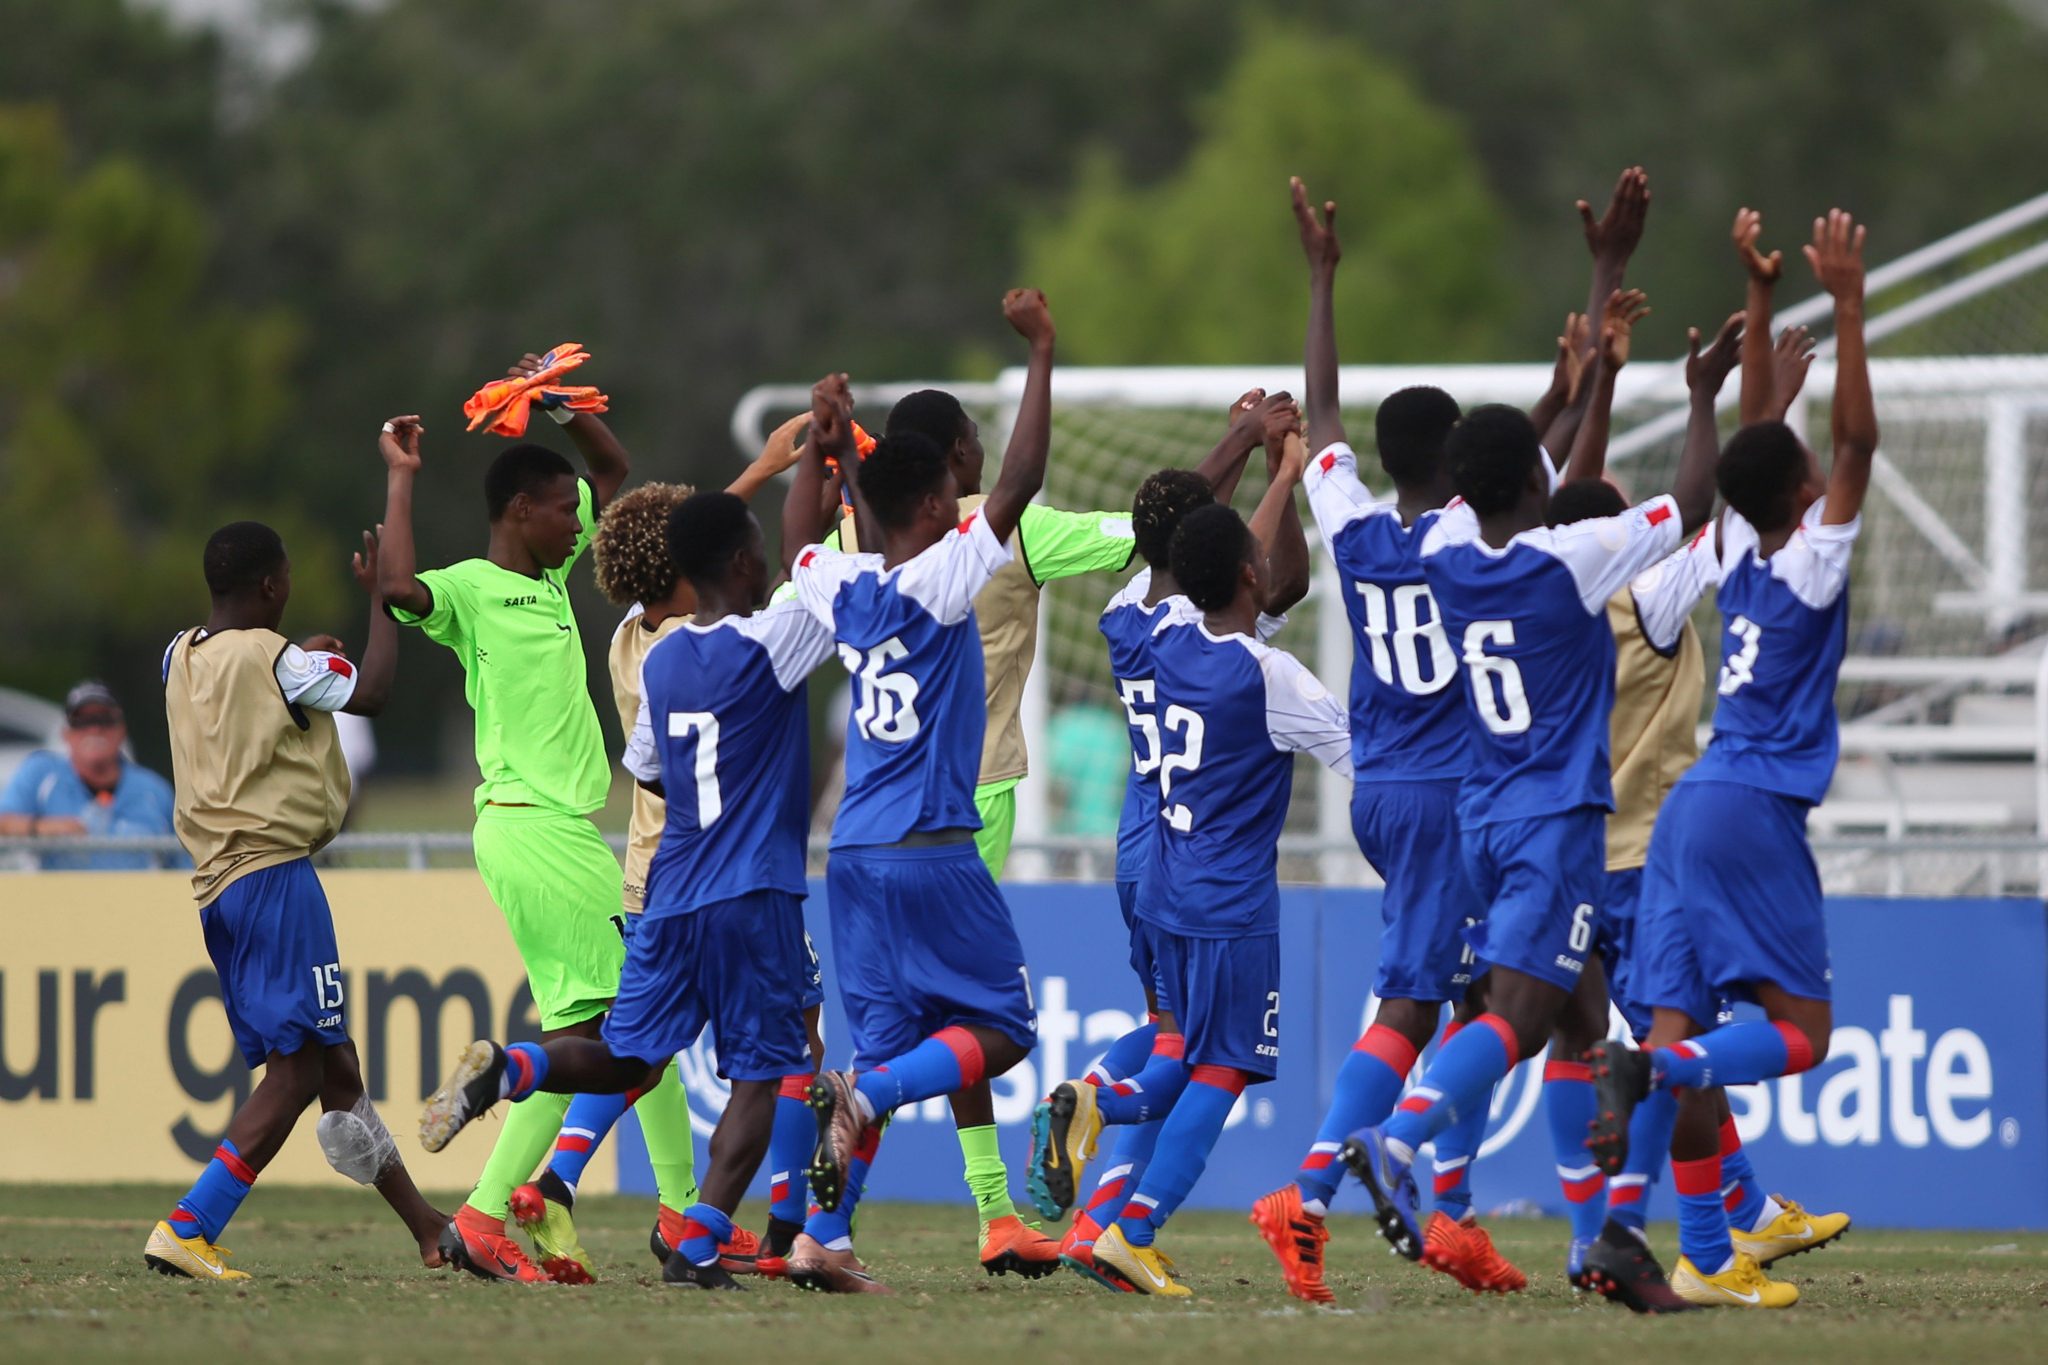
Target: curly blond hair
[{"x": 631, "y": 545}]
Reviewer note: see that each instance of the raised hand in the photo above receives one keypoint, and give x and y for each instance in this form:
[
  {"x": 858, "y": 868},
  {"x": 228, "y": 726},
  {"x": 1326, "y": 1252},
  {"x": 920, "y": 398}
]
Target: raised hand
[
  {"x": 832, "y": 412},
  {"x": 1318, "y": 236},
  {"x": 1836, "y": 254},
  {"x": 1625, "y": 308},
  {"x": 525, "y": 367},
  {"x": 399, "y": 444},
  {"x": 1613, "y": 236},
  {"x": 1791, "y": 358},
  {"x": 1278, "y": 417},
  {"x": 1026, "y": 311},
  {"x": 1749, "y": 226},
  {"x": 1706, "y": 370},
  {"x": 363, "y": 564}
]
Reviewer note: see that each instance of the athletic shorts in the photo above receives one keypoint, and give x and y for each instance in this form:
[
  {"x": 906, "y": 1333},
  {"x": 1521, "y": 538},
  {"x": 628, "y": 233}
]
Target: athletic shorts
[
  {"x": 1409, "y": 832},
  {"x": 738, "y": 966},
  {"x": 1541, "y": 880},
  {"x": 1616, "y": 942},
  {"x": 1731, "y": 897},
  {"x": 1141, "y": 950},
  {"x": 922, "y": 940},
  {"x": 997, "y": 803},
  {"x": 558, "y": 885},
  {"x": 271, "y": 938},
  {"x": 1231, "y": 987}
]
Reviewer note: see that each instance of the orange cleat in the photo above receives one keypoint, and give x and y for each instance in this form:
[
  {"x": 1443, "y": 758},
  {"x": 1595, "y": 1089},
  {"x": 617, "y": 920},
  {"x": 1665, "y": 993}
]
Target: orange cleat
[
  {"x": 1296, "y": 1238},
  {"x": 1078, "y": 1255},
  {"x": 1464, "y": 1252},
  {"x": 1010, "y": 1248},
  {"x": 478, "y": 1243}
]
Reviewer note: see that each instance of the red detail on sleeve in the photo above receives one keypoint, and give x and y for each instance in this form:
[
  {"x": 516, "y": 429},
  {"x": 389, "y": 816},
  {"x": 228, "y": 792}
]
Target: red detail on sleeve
[
  {"x": 1329, "y": 461},
  {"x": 968, "y": 521},
  {"x": 337, "y": 664},
  {"x": 1660, "y": 514},
  {"x": 1701, "y": 534},
  {"x": 805, "y": 561}
]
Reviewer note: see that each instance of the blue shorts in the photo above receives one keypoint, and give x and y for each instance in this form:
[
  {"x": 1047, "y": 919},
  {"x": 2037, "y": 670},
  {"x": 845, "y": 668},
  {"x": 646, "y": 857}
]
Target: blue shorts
[
  {"x": 810, "y": 973},
  {"x": 922, "y": 940},
  {"x": 1541, "y": 880},
  {"x": 1408, "y": 831},
  {"x": 271, "y": 938},
  {"x": 1616, "y": 942},
  {"x": 1141, "y": 949},
  {"x": 1731, "y": 897},
  {"x": 736, "y": 965},
  {"x": 1232, "y": 990}
]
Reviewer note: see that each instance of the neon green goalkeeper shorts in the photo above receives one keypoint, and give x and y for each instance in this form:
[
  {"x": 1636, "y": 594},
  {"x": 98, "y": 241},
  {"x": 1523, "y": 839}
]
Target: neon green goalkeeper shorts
[
  {"x": 997, "y": 802},
  {"x": 558, "y": 885}
]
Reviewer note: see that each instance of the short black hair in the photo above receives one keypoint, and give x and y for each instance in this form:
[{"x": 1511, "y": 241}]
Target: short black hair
[
  {"x": 525, "y": 468},
  {"x": 1209, "y": 549},
  {"x": 1585, "y": 500},
  {"x": 1760, "y": 469},
  {"x": 1410, "y": 426},
  {"x": 240, "y": 555},
  {"x": 1491, "y": 451},
  {"x": 899, "y": 473},
  {"x": 931, "y": 413},
  {"x": 704, "y": 532},
  {"x": 1162, "y": 502}
]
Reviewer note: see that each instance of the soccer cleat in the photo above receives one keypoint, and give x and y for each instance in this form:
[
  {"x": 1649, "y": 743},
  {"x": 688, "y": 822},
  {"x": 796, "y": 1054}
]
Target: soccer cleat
[
  {"x": 813, "y": 1267},
  {"x": 1793, "y": 1231},
  {"x": 1009, "y": 1247},
  {"x": 1742, "y": 1285},
  {"x": 740, "y": 1256},
  {"x": 476, "y": 1242},
  {"x": 1078, "y": 1255},
  {"x": 1464, "y": 1251},
  {"x": 682, "y": 1271},
  {"x": 840, "y": 1127},
  {"x": 1621, "y": 1077},
  {"x": 1146, "y": 1269},
  {"x": 543, "y": 1208},
  {"x": 1391, "y": 1183},
  {"x": 772, "y": 1257},
  {"x": 1618, "y": 1266},
  {"x": 1064, "y": 1129},
  {"x": 194, "y": 1258},
  {"x": 468, "y": 1093},
  {"x": 1296, "y": 1239}
]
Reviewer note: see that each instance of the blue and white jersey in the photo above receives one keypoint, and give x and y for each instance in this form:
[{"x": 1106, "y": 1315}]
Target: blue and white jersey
[
  {"x": 1529, "y": 622},
  {"x": 725, "y": 728},
  {"x": 1232, "y": 714},
  {"x": 1129, "y": 625},
  {"x": 907, "y": 635},
  {"x": 1784, "y": 627},
  {"x": 1407, "y": 719}
]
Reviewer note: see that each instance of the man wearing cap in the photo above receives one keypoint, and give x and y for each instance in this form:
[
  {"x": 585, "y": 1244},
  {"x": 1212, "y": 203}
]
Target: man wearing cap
[{"x": 90, "y": 790}]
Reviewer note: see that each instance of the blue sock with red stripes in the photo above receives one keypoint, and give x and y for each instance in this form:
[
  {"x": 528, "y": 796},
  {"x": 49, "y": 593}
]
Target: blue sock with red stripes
[
  {"x": 1702, "y": 1222},
  {"x": 526, "y": 1066},
  {"x": 1186, "y": 1138},
  {"x": 1151, "y": 1092},
  {"x": 215, "y": 1195},
  {"x": 1742, "y": 1194},
  {"x": 834, "y": 1230},
  {"x": 1367, "y": 1085},
  {"x": 1733, "y": 1054},
  {"x": 584, "y": 1128},
  {"x": 705, "y": 1229},
  {"x": 1649, "y": 1146},
  {"x": 1121, "y": 1175},
  {"x": 1456, "y": 1083},
  {"x": 1127, "y": 1055},
  {"x": 1572, "y": 1104},
  {"x": 948, "y": 1061},
  {"x": 1457, "y": 1147},
  {"x": 790, "y": 1141}
]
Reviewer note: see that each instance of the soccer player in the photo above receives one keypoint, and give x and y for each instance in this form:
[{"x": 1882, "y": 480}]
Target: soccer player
[
  {"x": 506, "y": 616},
  {"x": 937, "y": 994},
  {"x": 1232, "y": 714},
  {"x": 260, "y": 787},
  {"x": 722, "y": 731},
  {"x": 1741, "y": 917}
]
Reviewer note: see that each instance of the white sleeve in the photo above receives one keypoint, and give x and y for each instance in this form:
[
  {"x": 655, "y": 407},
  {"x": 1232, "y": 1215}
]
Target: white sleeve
[
  {"x": 1336, "y": 495},
  {"x": 642, "y": 759},
  {"x": 821, "y": 572},
  {"x": 1666, "y": 592},
  {"x": 1131, "y": 594},
  {"x": 1301, "y": 715},
  {"x": 315, "y": 678},
  {"x": 1268, "y": 626},
  {"x": 1606, "y": 553},
  {"x": 796, "y": 641},
  {"x": 946, "y": 576},
  {"x": 1456, "y": 524},
  {"x": 1815, "y": 562}
]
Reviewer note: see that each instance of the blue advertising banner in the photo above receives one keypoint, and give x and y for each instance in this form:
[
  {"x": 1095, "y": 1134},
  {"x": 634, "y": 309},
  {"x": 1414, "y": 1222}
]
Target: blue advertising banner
[{"x": 1930, "y": 1111}]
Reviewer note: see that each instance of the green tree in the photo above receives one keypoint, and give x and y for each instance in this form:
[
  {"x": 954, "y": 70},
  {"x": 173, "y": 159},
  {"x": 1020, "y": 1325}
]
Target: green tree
[{"x": 1202, "y": 267}]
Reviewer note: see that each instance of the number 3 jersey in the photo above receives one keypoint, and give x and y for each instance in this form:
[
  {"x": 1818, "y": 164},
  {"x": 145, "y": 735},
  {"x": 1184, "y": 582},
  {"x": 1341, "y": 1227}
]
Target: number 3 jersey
[
  {"x": 1232, "y": 713},
  {"x": 907, "y": 635},
  {"x": 724, "y": 727},
  {"x": 1784, "y": 628},
  {"x": 1529, "y": 622}
]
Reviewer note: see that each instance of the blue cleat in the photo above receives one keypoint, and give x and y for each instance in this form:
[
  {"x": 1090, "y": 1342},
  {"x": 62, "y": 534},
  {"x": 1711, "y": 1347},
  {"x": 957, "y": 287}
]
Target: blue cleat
[{"x": 1388, "y": 1179}]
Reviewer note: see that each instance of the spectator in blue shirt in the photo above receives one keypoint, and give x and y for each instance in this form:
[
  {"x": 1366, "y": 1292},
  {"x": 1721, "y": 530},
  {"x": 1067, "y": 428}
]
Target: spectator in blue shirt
[{"x": 91, "y": 790}]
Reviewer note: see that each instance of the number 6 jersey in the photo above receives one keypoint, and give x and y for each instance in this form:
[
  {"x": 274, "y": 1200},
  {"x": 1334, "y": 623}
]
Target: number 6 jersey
[{"x": 907, "y": 635}]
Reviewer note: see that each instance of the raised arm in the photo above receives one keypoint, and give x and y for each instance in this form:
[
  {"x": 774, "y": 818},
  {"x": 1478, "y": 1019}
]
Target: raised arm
[
  {"x": 1622, "y": 311},
  {"x": 1836, "y": 254},
  {"x": 1763, "y": 272},
  {"x": 1692, "y": 488},
  {"x": 804, "y": 509},
  {"x": 1276, "y": 524},
  {"x": 1613, "y": 237},
  {"x": 379, "y": 664},
  {"x": 1568, "y": 378},
  {"x": 397, "y": 563},
  {"x": 777, "y": 455},
  {"x": 1224, "y": 465},
  {"x": 1320, "y": 245},
  {"x": 1031, "y": 436},
  {"x": 1791, "y": 358}
]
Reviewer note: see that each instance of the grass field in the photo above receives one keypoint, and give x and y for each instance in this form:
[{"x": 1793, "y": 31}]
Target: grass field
[{"x": 335, "y": 1281}]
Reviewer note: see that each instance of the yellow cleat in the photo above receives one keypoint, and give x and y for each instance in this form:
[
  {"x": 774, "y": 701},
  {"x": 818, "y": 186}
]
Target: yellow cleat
[
  {"x": 1741, "y": 1285},
  {"x": 1794, "y": 1230},
  {"x": 1065, "y": 1128},
  {"x": 1147, "y": 1269},
  {"x": 193, "y": 1257},
  {"x": 557, "y": 1248}
]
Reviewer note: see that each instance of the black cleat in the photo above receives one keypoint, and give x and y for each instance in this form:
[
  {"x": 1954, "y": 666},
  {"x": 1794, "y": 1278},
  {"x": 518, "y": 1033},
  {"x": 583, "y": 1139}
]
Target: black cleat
[
  {"x": 1621, "y": 1077},
  {"x": 683, "y": 1271},
  {"x": 468, "y": 1093},
  {"x": 1620, "y": 1268}
]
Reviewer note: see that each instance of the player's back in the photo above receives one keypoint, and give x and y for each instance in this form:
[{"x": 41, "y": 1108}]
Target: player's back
[
  {"x": 1128, "y": 625},
  {"x": 726, "y": 724}
]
